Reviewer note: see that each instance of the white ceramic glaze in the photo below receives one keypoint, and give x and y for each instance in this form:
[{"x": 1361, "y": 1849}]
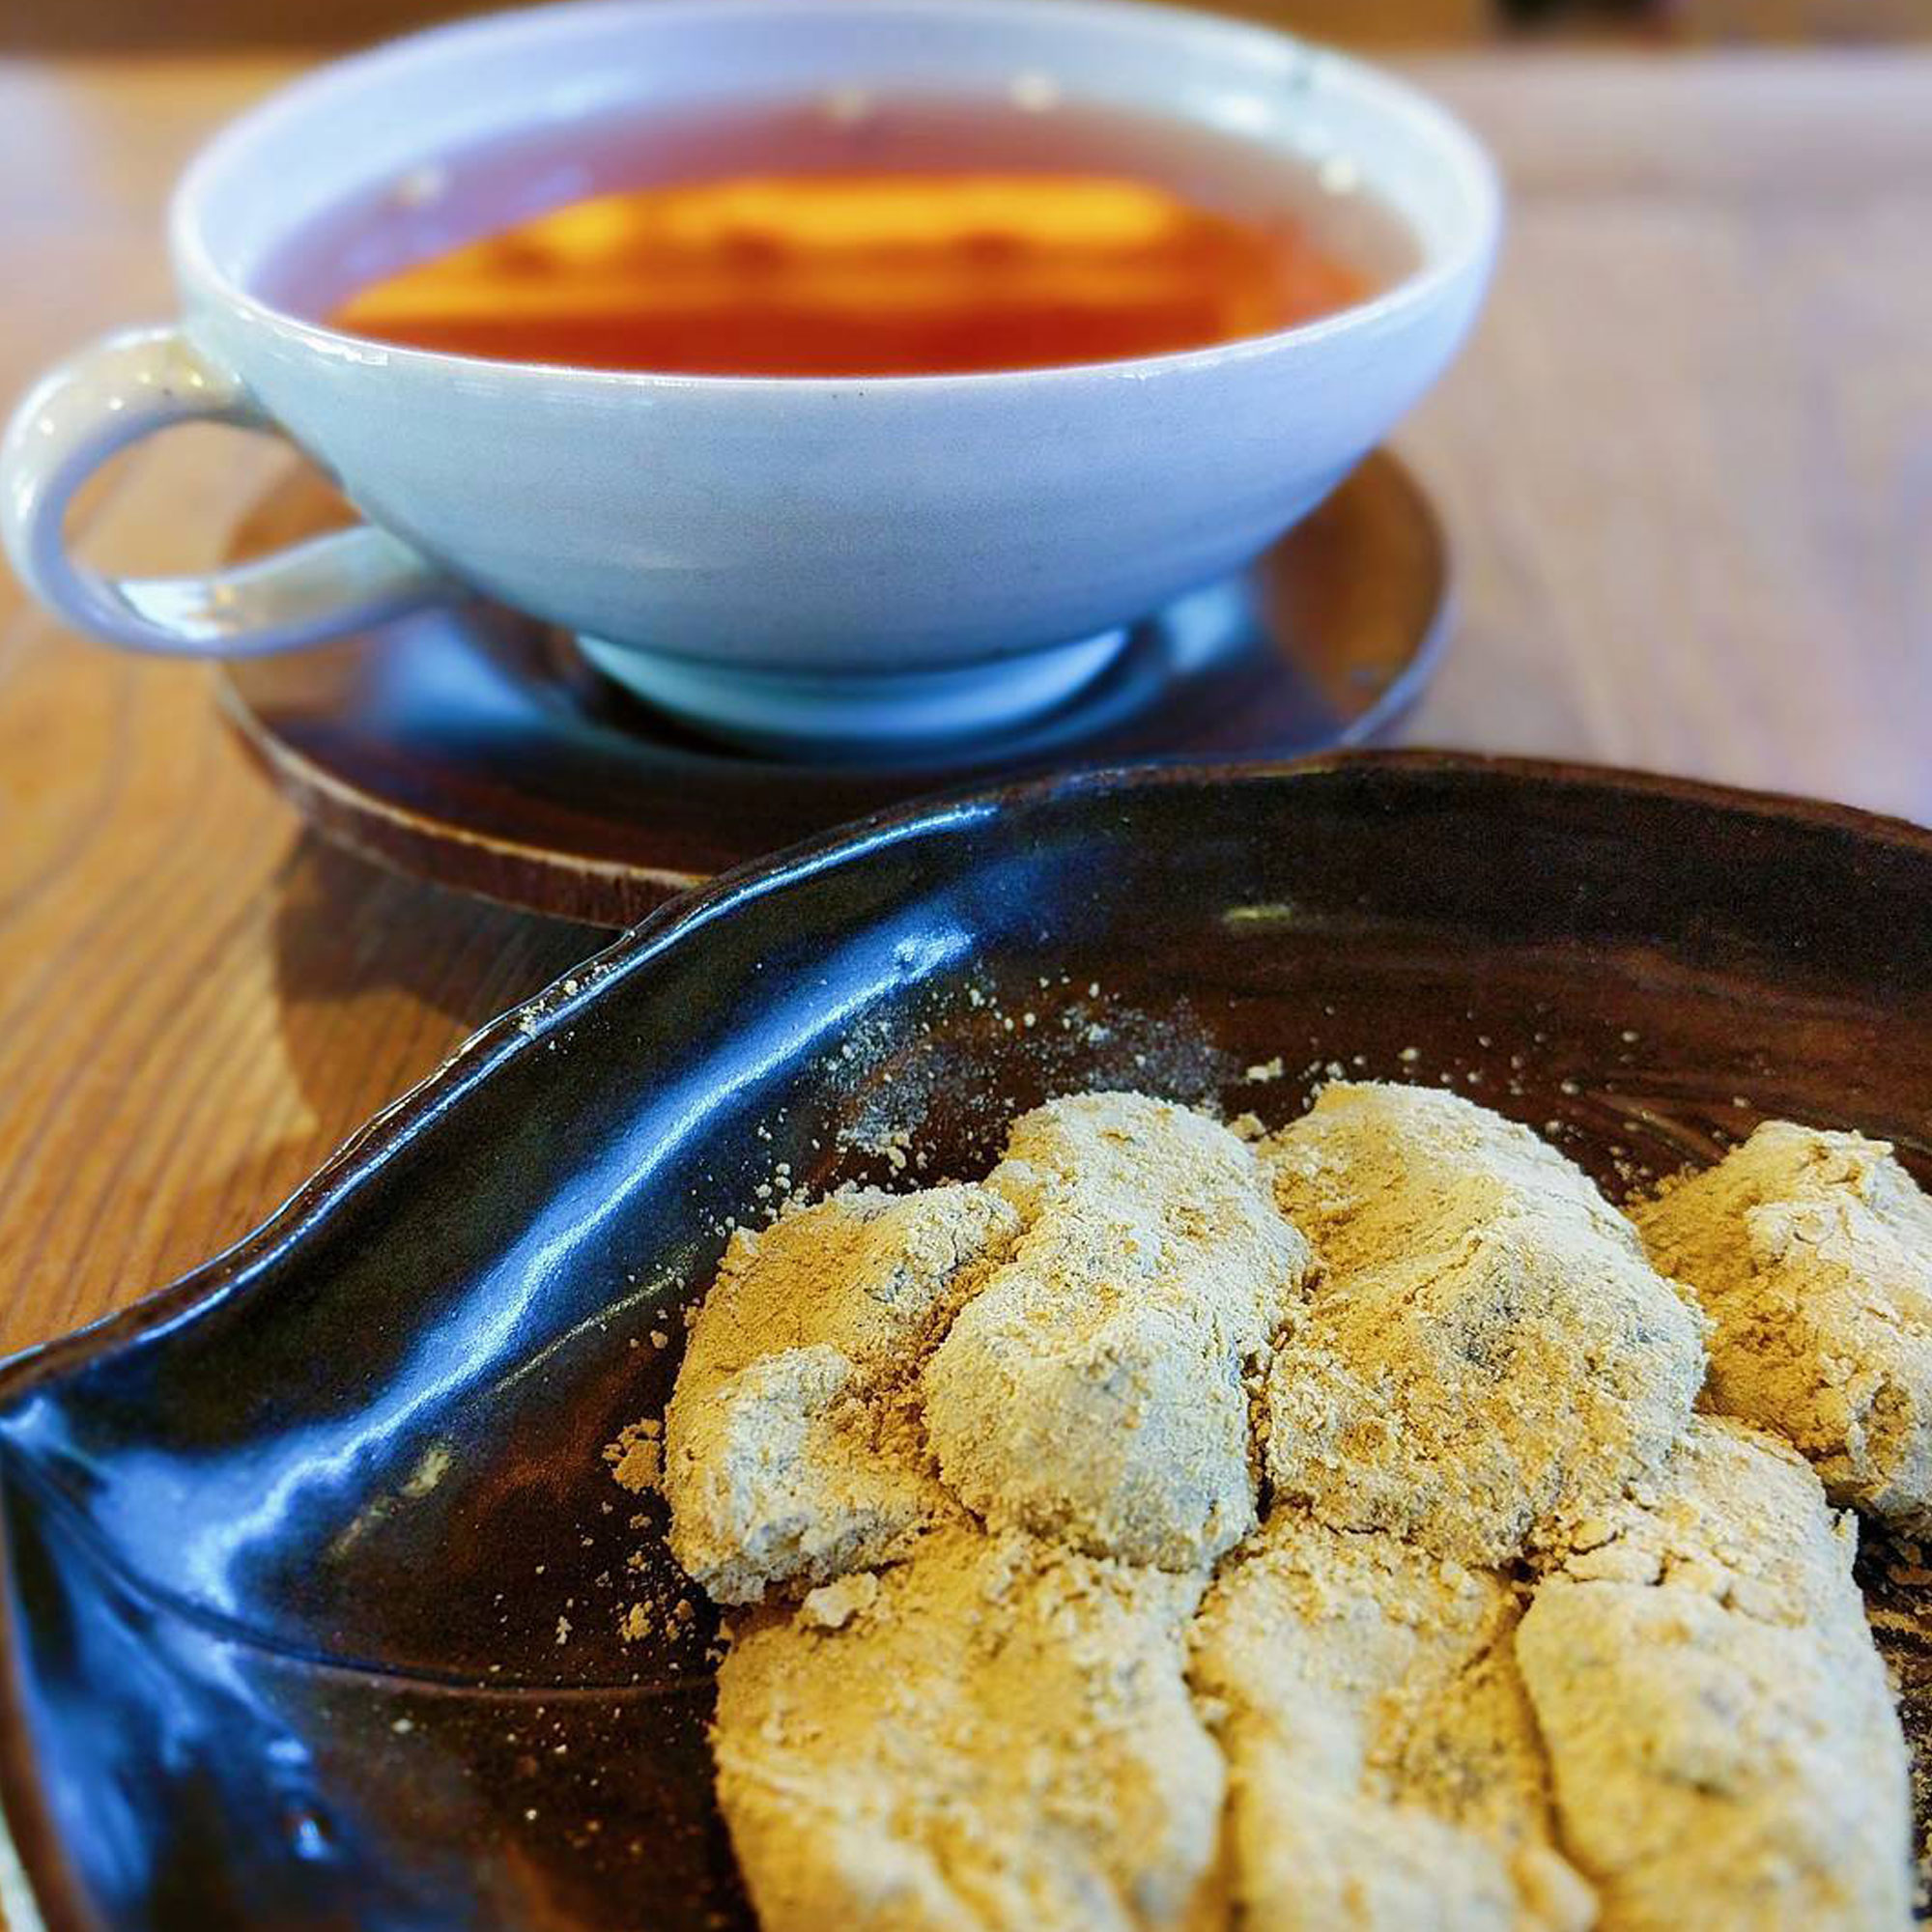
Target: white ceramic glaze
[
  {"x": 803, "y": 527},
  {"x": 835, "y": 714},
  {"x": 117, "y": 391}
]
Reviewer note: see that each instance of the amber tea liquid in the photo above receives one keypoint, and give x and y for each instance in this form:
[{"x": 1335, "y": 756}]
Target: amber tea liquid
[{"x": 847, "y": 236}]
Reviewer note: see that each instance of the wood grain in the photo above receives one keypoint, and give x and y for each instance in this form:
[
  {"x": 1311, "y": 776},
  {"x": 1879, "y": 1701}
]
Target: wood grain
[
  {"x": 1687, "y": 462},
  {"x": 196, "y": 1002}
]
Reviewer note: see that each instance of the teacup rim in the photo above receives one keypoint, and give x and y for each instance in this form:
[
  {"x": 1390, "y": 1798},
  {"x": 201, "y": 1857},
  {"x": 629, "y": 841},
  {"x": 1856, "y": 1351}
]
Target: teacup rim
[{"x": 1478, "y": 178}]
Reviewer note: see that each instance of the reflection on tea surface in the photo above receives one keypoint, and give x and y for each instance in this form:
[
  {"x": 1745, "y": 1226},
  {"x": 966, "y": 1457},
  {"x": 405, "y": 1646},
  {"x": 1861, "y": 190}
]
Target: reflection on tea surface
[{"x": 849, "y": 236}]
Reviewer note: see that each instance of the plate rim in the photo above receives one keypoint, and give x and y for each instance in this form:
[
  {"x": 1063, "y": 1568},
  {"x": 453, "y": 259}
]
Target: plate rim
[{"x": 42, "y": 1868}]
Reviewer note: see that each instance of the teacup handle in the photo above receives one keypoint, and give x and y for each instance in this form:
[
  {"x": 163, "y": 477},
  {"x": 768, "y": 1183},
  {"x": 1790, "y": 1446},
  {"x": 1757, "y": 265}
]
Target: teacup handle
[{"x": 128, "y": 386}]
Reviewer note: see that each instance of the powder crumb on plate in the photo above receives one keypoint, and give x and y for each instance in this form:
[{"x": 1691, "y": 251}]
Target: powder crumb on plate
[{"x": 637, "y": 1457}]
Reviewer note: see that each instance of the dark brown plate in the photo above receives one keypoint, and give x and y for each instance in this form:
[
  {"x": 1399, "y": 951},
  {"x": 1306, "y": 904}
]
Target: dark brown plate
[
  {"x": 312, "y": 1578},
  {"x": 481, "y": 750}
]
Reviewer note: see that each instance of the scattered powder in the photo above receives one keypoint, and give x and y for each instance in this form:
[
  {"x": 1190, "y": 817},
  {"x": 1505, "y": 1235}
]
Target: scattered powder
[
  {"x": 663, "y": 1612},
  {"x": 637, "y": 1457}
]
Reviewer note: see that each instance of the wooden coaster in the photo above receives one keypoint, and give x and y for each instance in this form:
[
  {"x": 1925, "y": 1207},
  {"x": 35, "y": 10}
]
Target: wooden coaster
[{"x": 479, "y": 749}]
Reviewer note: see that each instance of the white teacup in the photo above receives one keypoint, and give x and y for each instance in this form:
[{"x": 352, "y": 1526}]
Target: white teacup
[{"x": 802, "y": 558}]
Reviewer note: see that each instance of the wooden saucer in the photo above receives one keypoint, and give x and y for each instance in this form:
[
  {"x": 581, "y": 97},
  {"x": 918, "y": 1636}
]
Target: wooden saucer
[{"x": 480, "y": 750}]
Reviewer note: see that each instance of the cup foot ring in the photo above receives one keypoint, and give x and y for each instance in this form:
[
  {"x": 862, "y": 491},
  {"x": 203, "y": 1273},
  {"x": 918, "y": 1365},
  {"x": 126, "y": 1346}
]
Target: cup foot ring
[{"x": 830, "y": 714}]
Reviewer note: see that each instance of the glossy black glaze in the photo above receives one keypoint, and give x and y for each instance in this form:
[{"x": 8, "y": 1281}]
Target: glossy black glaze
[{"x": 287, "y": 1545}]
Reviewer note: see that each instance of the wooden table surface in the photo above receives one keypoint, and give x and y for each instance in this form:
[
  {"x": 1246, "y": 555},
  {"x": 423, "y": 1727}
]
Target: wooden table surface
[{"x": 1688, "y": 466}]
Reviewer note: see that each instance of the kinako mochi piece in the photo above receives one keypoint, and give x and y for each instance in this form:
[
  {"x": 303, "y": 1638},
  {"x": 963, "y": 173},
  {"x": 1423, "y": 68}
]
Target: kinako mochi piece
[
  {"x": 1097, "y": 1390},
  {"x": 1384, "y": 1770},
  {"x": 1001, "y": 1737},
  {"x": 791, "y": 1454},
  {"x": 1724, "y": 1745},
  {"x": 1811, "y": 1252},
  {"x": 1488, "y": 1355}
]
